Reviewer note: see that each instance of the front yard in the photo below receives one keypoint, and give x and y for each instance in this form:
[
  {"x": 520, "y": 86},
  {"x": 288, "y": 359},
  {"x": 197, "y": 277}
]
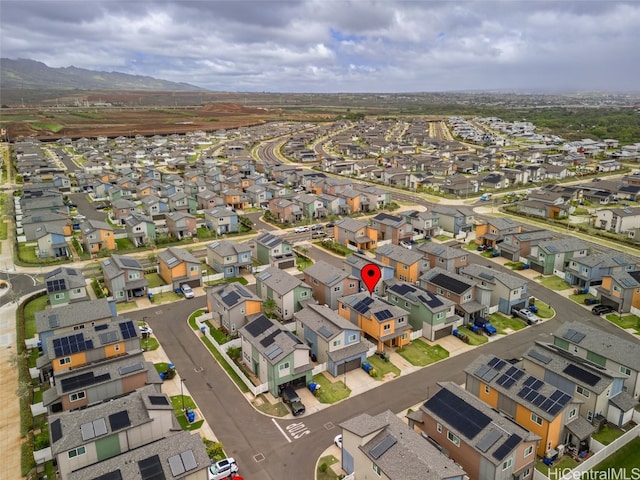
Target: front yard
[
  {"x": 383, "y": 368},
  {"x": 626, "y": 321},
  {"x": 474, "y": 338},
  {"x": 553, "y": 282},
  {"x": 504, "y": 324},
  {"x": 331, "y": 392},
  {"x": 420, "y": 354},
  {"x": 608, "y": 434}
]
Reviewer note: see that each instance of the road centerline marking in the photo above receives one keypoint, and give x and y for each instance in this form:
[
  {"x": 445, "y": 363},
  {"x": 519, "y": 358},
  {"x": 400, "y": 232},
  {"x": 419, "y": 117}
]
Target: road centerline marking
[{"x": 281, "y": 430}]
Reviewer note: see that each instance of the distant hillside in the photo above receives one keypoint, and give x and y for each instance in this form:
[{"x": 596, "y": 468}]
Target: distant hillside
[{"x": 29, "y": 74}]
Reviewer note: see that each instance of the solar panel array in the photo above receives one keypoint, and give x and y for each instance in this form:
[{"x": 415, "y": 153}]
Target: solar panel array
[
  {"x": 385, "y": 444},
  {"x": 363, "y": 305},
  {"x": 486, "y": 373},
  {"x": 402, "y": 288},
  {"x": 325, "y": 332},
  {"x": 151, "y": 468},
  {"x": 245, "y": 293},
  {"x": 273, "y": 351},
  {"x": 93, "y": 429},
  {"x": 71, "y": 344},
  {"x": 119, "y": 420},
  {"x": 539, "y": 356},
  {"x": 158, "y": 400},
  {"x": 184, "y": 462},
  {"x": 488, "y": 440},
  {"x": 383, "y": 315},
  {"x": 56, "y": 285},
  {"x": 56, "y": 430},
  {"x": 508, "y": 445},
  {"x": 581, "y": 374},
  {"x": 496, "y": 363},
  {"x": 128, "y": 330},
  {"x": 511, "y": 376},
  {"x": 108, "y": 337},
  {"x": 230, "y": 299},
  {"x": 115, "y": 475},
  {"x": 83, "y": 380},
  {"x": 258, "y": 326},
  {"x": 552, "y": 404},
  {"x": 453, "y": 410},
  {"x": 130, "y": 262},
  {"x": 573, "y": 336},
  {"x": 269, "y": 339},
  {"x": 127, "y": 369}
]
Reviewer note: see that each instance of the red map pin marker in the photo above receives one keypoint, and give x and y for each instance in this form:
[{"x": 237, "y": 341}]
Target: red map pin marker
[{"x": 370, "y": 275}]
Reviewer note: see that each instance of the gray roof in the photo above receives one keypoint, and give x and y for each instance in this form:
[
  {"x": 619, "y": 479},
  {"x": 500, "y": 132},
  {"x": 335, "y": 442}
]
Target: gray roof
[
  {"x": 604, "y": 260},
  {"x": 624, "y": 401},
  {"x": 442, "y": 251},
  {"x": 481, "y": 272},
  {"x": 410, "y": 456},
  {"x": 503, "y": 223},
  {"x": 73, "y": 277},
  {"x": 399, "y": 254},
  {"x": 358, "y": 260},
  {"x": 417, "y": 295},
  {"x": 316, "y": 317},
  {"x": 232, "y": 294},
  {"x": 351, "y": 224},
  {"x": 268, "y": 240},
  {"x": 613, "y": 347},
  {"x": 326, "y": 273},
  {"x": 180, "y": 254},
  {"x": 117, "y": 264},
  {"x": 165, "y": 449},
  {"x": 227, "y": 248},
  {"x": 271, "y": 340},
  {"x": 373, "y": 307},
  {"x": 74, "y": 313},
  {"x": 563, "y": 245},
  {"x": 581, "y": 427},
  {"x": 279, "y": 281},
  {"x": 89, "y": 226}
]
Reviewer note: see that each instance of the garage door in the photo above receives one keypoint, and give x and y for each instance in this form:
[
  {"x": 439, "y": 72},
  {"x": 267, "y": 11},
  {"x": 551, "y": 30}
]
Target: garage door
[
  {"x": 348, "y": 366},
  {"x": 443, "y": 332},
  {"x": 537, "y": 268},
  {"x": 287, "y": 264}
]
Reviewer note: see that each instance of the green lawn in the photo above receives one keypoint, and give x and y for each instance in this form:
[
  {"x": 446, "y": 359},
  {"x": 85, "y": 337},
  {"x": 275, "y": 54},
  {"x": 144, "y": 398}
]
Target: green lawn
[
  {"x": 193, "y": 317},
  {"x": 627, "y": 321},
  {"x": 420, "y": 353},
  {"x": 124, "y": 306},
  {"x": 303, "y": 263},
  {"x": 544, "y": 311},
  {"x": 30, "y": 309},
  {"x": 240, "y": 280},
  {"x": 331, "y": 392},
  {"x": 445, "y": 238},
  {"x": 625, "y": 458},
  {"x": 334, "y": 247},
  {"x": 149, "y": 343},
  {"x": 3, "y": 230},
  {"x": 514, "y": 265},
  {"x": 154, "y": 280},
  {"x": 277, "y": 409},
  {"x": 608, "y": 434},
  {"x": 382, "y": 367},
  {"x": 164, "y": 297},
  {"x": 219, "y": 336},
  {"x": 474, "y": 338},
  {"x": 554, "y": 283},
  {"x": 124, "y": 244},
  {"x": 504, "y": 324},
  {"x": 557, "y": 469},
  {"x": 326, "y": 472},
  {"x": 580, "y": 297}
]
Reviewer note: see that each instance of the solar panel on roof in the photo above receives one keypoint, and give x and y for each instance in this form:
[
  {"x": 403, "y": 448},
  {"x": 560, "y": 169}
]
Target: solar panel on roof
[
  {"x": 511, "y": 370},
  {"x": 493, "y": 361},
  {"x": 56, "y": 430},
  {"x": 581, "y": 374},
  {"x": 273, "y": 352},
  {"x": 326, "y": 333},
  {"x": 488, "y": 440},
  {"x": 115, "y": 475},
  {"x": 258, "y": 326},
  {"x": 151, "y": 468},
  {"x": 499, "y": 365},
  {"x": 127, "y": 369},
  {"x": 188, "y": 460},
  {"x": 119, "y": 420},
  {"x": 128, "y": 330},
  {"x": 529, "y": 381},
  {"x": 556, "y": 395},
  {"x": 244, "y": 293},
  {"x": 482, "y": 370},
  {"x": 385, "y": 444},
  {"x": 158, "y": 400},
  {"x": 104, "y": 326},
  {"x": 268, "y": 340},
  {"x": 56, "y": 285},
  {"x": 383, "y": 315},
  {"x": 555, "y": 409},
  {"x": 537, "y": 384},
  {"x": 53, "y": 321},
  {"x": 176, "y": 466},
  {"x": 547, "y": 404},
  {"x": 230, "y": 299},
  {"x": 490, "y": 375},
  {"x": 108, "y": 337},
  {"x": 509, "y": 382},
  {"x": 508, "y": 445},
  {"x": 524, "y": 392},
  {"x": 130, "y": 262},
  {"x": 531, "y": 395},
  {"x": 539, "y": 400},
  {"x": 453, "y": 410}
]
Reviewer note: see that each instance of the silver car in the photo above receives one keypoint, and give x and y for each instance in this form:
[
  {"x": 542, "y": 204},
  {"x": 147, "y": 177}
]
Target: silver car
[{"x": 222, "y": 469}]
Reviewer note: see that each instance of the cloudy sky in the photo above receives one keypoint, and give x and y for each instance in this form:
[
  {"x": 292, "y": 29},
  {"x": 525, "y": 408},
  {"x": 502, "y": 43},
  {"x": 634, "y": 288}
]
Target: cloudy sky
[{"x": 338, "y": 45}]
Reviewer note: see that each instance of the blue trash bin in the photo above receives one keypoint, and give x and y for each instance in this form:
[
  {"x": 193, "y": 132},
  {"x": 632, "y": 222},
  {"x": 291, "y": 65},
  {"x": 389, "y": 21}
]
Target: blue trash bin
[{"x": 191, "y": 415}]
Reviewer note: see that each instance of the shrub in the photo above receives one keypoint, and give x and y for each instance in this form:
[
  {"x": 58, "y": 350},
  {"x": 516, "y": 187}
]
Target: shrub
[
  {"x": 234, "y": 352},
  {"x": 323, "y": 468},
  {"x": 214, "y": 449}
]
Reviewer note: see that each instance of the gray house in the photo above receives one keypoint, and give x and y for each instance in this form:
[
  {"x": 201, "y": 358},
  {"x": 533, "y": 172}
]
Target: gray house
[
  {"x": 329, "y": 283},
  {"x": 229, "y": 257},
  {"x": 124, "y": 277},
  {"x": 230, "y": 304},
  {"x": 332, "y": 339}
]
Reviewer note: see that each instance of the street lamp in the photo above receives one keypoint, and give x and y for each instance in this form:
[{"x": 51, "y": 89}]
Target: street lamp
[{"x": 182, "y": 380}]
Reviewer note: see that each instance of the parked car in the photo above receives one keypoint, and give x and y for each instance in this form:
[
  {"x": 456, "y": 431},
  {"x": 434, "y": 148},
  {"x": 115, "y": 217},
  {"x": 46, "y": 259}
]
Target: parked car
[
  {"x": 291, "y": 398},
  {"x": 100, "y": 206},
  {"x": 602, "y": 309},
  {"x": 222, "y": 469},
  {"x": 301, "y": 229},
  {"x": 187, "y": 291},
  {"x": 338, "y": 441},
  {"x": 481, "y": 323},
  {"x": 406, "y": 245},
  {"x": 527, "y": 315},
  {"x": 144, "y": 330},
  {"x": 330, "y": 225},
  {"x": 319, "y": 234}
]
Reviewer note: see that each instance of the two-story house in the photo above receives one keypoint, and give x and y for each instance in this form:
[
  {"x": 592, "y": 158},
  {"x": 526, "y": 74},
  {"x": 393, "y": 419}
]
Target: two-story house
[
  {"x": 384, "y": 447},
  {"x": 492, "y": 232},
  {"x": 230, "y": 304},
  {"x": 274, "y": 250},
  {"x": 517, "y": 246},
  {"x": 392, "y": 227},
  {"x": 448, "y": 258},
  {"x": 274, "y": 355},
  {"x": 384, "y": 323},
  {"x": 554, "y": 255},
  {"x": 590, "y": 269},
  {"x": 330, "y": 283},
  {"x": 356, "y": 262},
  {"x": 124, "y": 277},
  {"x": 357, "y": 234},
  {"x": 285, "y": 210},
  {"x": 470, "y": 302},
  {"x": 484, "y": 442},
  {"x": 221, "y": 220},
  {"x": 121, "y": 209},
  {"x": 621, "y": 291},
  {"x": 455, "y": 220},
  {"x": 97, "y": 235},
  {"x": 407, "y": 264},
  {"x": 65, "y": 285},
  {"x": 140, "y": 229},
  {"x": 332, "y": 339},
  {"x": 431, "y": 313},
  {"x": 507, "y": 291},
  {"x": 229, "y": 258},
  {"x": 617, "y": 220},
  {"x": 181, "y": 225},
  {"x": 178, "y": 266},
  {"x": 424, "y": 224},
  {"x": 289, "y": 293}
]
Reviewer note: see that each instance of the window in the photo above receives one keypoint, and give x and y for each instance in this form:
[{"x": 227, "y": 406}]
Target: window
[
  {"x": 487, "y": 389},
  {"x": 572, "y": 413},
  {"x": 352, "y": 285},
  {"x": 528, "y": 451},
  {"x": 77, "y": 291},
  {"x": 336, "y": 289},
  {"x": 439, "y": 428},
  {"x": 536, "y": 419},
  {"x": 401, "y": 320},
  {"x": 625, "y": 370},
  {"x": 116, "y": 347},
  {"x": 453, "y": 439},
  {"x": 590, "y": 416},
  {"x": 406, "y": 304},
  {"x": 59, "y": 296},
  {"x": 303, "y": 294},
  {"x": 74, "y": 397},
  {"x": 439, "y": 291},
  {"x": 375, "y": 468},
  {"x": 64, "y": 361},
  {"x": 582, "y": 391},
  {"x": 526, "y": 473},
  {"x": 194, "y": 268},
  {"x": 76, "y": 451},
  {"x": 405, "y": 267},
  {"x": 352, "y": 338},
  {"x": 336, "y": 343},
  {"x": 507, "y": 464},
  {"x": 284, "y": 366},
  {"x": 467, "y": 297},
  {"x": 387, "y": 327},
  {"x": 134, "y": 275}
]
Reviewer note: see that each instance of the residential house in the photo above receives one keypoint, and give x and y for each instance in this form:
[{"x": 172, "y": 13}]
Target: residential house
[
  {"x": 611, "y": 352},
  {"x": 542, "y": 209},
  {"x": 385, "y": 445},
  {"x": 289, "y": 293},
  {"x": 230, "y": 304},
  {"x": 517, "y": 246},
  {"x": 621, "y": 291},
  {"x": 384, "y": 323},
  {"x": 332, "y": 339},
  {"x": 65, "y": 285},
  {"x": 470, "y": 301},
  {"x": 617, "y": 220},
  {"x": 597, "y": 387},
  {"x": 229, "y": 257},
  {"x": 554, "y": 255},
  {"x": 448, "y": 258},
  {"x": 178, "y": 266},
  {"x": 236, "y": 199},
  {"x": 154, "y": 207},
  {"x": 506, "y": 291},
  {"x": 356, "y": 262},
  {"x": 377, "y": 197},
  {"x": 392, "y": 228},
  {"x": 34, "y": 225},
  {"x": 139, "y": 438},
  {"x": 124, "y": 277},
  {"x": 484, "y": 442},
  {"x": 456, "y": 220},
  {"x": 430, "y": 313},
  {"x": 206, "y": 200},
  {"x": 97, "y": 235},
  {"x": 310, "y": 205},
  {"x": 121, "y": 209},
  {"x": 424, "y": 224},
  {"x": 221, "y": 220},
  {"x": 589, "y": 270},
  {"x": 492, "y": 232},
  {"x": 285, "y": 210},
  {"x": 275, "y": 355},
  {"x": 273, "y": 250},
  {"x": 258, "y": 195},
  {"x": 181, "y": 225},
  {"x": 51, "y": 241},
  {"x": 536, "y": 405},
  {"x": 357, "y": 234},
  {"x": 329, "y": 283},
  {"x": 355, "y": 201},
  {"x": 141, "y": 229},
  {"x": 407, "y": 264}
]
